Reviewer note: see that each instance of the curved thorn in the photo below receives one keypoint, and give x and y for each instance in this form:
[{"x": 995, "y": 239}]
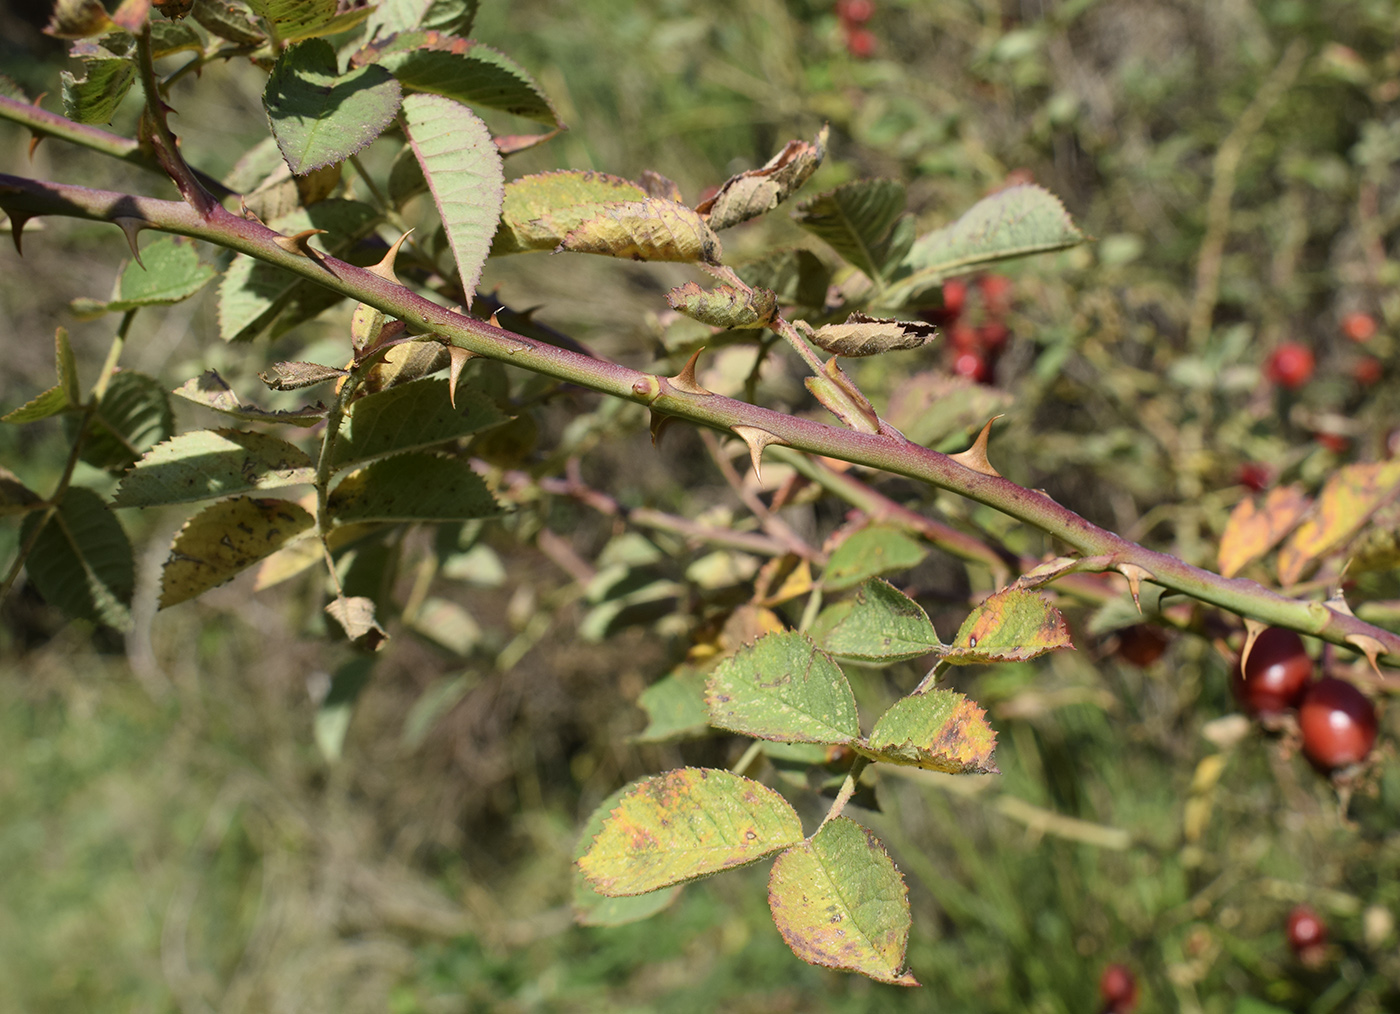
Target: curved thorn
[
  {"x": 1135, "y": 575},
  {"x": 685, "y": 380},
  {"x": 1252, "y": 630},
  {"x": 17, "y": 223},
  {"x": 385, "y": 268},
  {"x": 757, "y": 440},
  {"x": 131, "y": 227},
  {"x": 299, "y": 244},
  {"x": 458, "y": 357},
  {"x": 975, "y": 457},
  {"x": 658, "y": 425},
  {"x": 34, "y": 144},
  {"x": 1369, "y": 646}
]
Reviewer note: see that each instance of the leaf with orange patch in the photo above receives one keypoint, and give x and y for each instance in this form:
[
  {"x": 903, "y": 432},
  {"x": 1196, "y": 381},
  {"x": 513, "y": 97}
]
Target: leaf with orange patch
[
  {"x": 1343, "y": 506},
  {"x": 940, "y": 730},
  {"x": 839, "y": 902},
  {"x": 1253, "y": 530},
  {"x": 1012, "y": 625},
  {"x": 685, "y": 824}
]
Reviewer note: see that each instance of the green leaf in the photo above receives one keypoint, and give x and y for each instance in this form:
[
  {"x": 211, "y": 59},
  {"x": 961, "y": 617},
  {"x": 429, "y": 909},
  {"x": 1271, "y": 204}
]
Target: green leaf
[
  {"x": 652, "y": 229},
  {"x": 857, "y": 220},
  {"x": 412, "y": 487},
  {"x": 463, "y": 169},
  {"x": 172, "y": 273},
  {"x": 132, "y": 417},
  {"x": 783, "y": 687},
  {"x": 594, "y": 909},
  {"x": 255, "y": 296},
  {"x": 461, "y": 70},
  {"x": 1020, "y": 220},
  {"x": 878, "y": 623},
  {"x": 296, "y": 20},
  {"x": 228, "y": 21},
  {"x": 757, "y": 191},
  {"x": 686, "y": 824},
  {"x": 840, "y": 903},
  {"x": 1012, "y": 625},
  {"x": 210, "y": 390},
  {"x": 50, "y": 403},
  {"x": 94, "y": 97},
  {"x": 320, "y": 117},
  {"x": 224, "y": 539},
  {"x": 333, "y": 717},
  {"x": 411, "y": 417},
  {"x": 82, "y": 561},
  {"x": 204, "y": 464},
  {"x": 446, "y": 623},
  {"x": 452, "y": 16},
  {"x": 873, "y": 550},
  {"x": 675, "y": 706},
  {"x": 932, "y": 407},
  {"x": 797, "y": 277},
  {"x": 724, "y": 306},
  {"x": 66, "y": 365},
  {"x": 939, "y": 730},
  {"x": 17, "y": 498},
  {"x": 538, "y": 211}
]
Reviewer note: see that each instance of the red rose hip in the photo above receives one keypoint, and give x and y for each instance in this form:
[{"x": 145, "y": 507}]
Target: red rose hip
[
  {"x": 1290, "y": 365},
  {"x": 1118, "y": 989},
  {"x": 1276, "y": 675},
  {"x": 1338, "y": 723}
]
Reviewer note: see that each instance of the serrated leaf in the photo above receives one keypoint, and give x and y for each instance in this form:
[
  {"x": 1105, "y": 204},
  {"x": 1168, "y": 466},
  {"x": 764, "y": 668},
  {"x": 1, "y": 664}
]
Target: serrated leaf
[
  {"x": 856, "y": 220},
  {"x": 82, "y": 561},
  {"x": 17, "y": 498},
  {"x": 840, "y": 903},
  {"x": 224, "y": 539},
  {"x": 255, "y": 296},
  {"x": 869, "y": 552},
  {"x": 319, "y": 116},
  {"x": 463, "y": 169},
  {"x": 295, "y": 20},
  {"x": 686, "y": 824},
  {"x": 797, "y": 277},
  {"x": 783, "y": 688},
  {"x": 539, "y": 210},
  {"x": 675, "y": 706},
  {"x": 411, "y": 417},
  {"x": 412, "y": 487},
  {"x": 172, "y": 272},
  {"x": 1254, "y": 528},
  {"x": 227, "y": 21},
  {"x": 1020, "y": 220},
  {"x": 133, "y": 416},
  {"x": 594, "y": 909},
  {"x": 1011, "y": 625},
  {"x": 724, "y": 306},
  {"x": 333, "y": 716},
  {"x": 1349, "y": 497},
  {"x": 210, "y": 391},
  {"x": 645, "y": 230},
  {"x": 939, "y": 730},
  {"x": 867, "y": 336},
  {"x": 94, "y": 97},
  {"x": 451, "y": 16},
  {"x": 878, "y": 623},
  {"x": 203, "y": 464},
  {"x": 757, "y": 191},
  {"x": 50, "y": 403},
  {"x": 459, "y": 69},
  {"x": 295, "y": 376}
]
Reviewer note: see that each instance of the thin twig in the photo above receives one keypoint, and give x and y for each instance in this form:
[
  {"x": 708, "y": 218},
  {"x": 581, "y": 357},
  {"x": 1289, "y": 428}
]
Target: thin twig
[{"x": 772, "y": 524}]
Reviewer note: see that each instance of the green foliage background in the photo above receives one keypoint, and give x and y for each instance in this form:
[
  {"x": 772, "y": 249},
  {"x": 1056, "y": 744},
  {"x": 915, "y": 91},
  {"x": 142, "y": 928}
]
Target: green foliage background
[{"x": 170, "y": 838}]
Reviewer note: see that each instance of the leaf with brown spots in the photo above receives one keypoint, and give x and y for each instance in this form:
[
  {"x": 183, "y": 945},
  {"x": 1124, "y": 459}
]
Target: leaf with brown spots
[
  {"x": 226, "y": 538},
  {"x": 1254, "y": 529},
  {"x": 757, "y": 191},
  {"x": 1343, "y": 506},
  {"x": 1012, "y": 625},
  {"x": 783, "y": 688},
  {"x": 839, "y": 902},
  {"x": 940, "y": 730},
  {"x": 685, "y": 824},
  {"x": 645, "y": 230}
]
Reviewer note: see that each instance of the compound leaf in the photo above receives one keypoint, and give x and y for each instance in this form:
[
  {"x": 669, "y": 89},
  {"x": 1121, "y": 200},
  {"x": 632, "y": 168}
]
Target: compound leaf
[{"x": 783, "y": 687}]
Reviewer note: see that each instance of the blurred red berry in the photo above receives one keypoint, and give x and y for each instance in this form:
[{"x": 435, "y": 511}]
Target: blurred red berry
[
  {"x": 1254, "y": 475},
  {"x": 993, "y": 334},
  {"x": 860, "y": 43},
  {"x": 954, "y": 295},
  {"x": 1276, "y": 675},
  {"x": 1358, "y": 326},
  {"x": 1291, "y": 365},
  {"x": 855, "y": 12},
  {"x": 1118, "y": 989},
  {"x": 1338, "y": 723},
  {"x": 1142, "y": 644},
  {"x": 963, "y": 337},
  {"x": 996, "y": 290},
  {"x": 1367, "y": 371},
  {"x": 973, "y": 366},
  {"x": 1307, "y": 935},
  {"x": 1334, "y": 442}
]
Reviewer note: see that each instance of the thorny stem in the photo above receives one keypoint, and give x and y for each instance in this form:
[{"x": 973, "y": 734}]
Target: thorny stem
[
  {"x": 166, "y": 150},
  {"x": 25, "y": 197},
  {"x": 848, "y": 789},
  {"x": 772, "y": 524}
]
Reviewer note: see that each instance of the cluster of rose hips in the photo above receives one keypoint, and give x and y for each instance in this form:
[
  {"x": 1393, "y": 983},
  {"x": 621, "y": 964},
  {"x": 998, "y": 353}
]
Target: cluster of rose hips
[
  {"x": 853, "y": 14},
  {"x": 1337, "y": 721},
  {"x": 974, "y": 348}
]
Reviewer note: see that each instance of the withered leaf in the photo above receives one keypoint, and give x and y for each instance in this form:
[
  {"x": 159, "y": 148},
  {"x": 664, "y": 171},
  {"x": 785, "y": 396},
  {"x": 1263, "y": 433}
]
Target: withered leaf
[
  {"x": 867, "y": 336},
  {"x": 290, "y": 376},
  {"x": 757, "y": 191},
  {"x": 1254, "y": 529},
  {"x": 724, "y": 306},
  {"x": 646, "y": 230}
]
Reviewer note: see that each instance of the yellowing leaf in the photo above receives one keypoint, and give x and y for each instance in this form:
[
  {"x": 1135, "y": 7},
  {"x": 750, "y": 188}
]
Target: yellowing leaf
[
  {"x": 1012, "y": 625},
  {"x": 225, "y": 538},
  {"x": 541, "y": 209},
  {"x": 724, "y": 306},
  {"x": 939, "y": 730},
  {"x": 646, "y": 230},
  {"x": 1254, "y": 529},
  {"x": 1343, "y": 506},
  {"x": 756, "y": 191}
]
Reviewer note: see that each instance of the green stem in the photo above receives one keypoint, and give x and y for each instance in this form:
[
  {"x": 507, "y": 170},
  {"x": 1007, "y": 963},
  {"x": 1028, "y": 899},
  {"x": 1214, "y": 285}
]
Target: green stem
[
  {"x": 24, "y": 197},
  {"x": 795, "y": 339},
  {"x": 848, "y": 789}
]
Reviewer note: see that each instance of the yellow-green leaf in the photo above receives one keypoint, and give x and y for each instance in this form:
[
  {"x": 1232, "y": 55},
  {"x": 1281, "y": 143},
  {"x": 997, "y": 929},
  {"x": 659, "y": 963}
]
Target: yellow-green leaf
[
  {"x": 1012, "y": 625},
  {"x": 1343, "y": 506},
  {"x": 940, "y": 730},
  {"x": 647, "y": 230},
  {"x": 224, "y": 539},
  {"x": 784, "y": 688},
  {"x": 1254, "y": 528}
]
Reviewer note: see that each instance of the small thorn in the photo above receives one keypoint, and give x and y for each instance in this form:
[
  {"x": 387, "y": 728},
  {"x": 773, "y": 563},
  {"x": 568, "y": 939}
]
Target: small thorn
[
  {"x": 34, "y": 144},
  {"x": 685, "y": 380},
  {"x": 757, "y": 440},
  {"x": 459, "y": 357},
  {"x": 131, "y": 227},
  {"x": 1252, "y": 630},
  {"x": 1135, "y": 575},
  {"x": 1369, "y": 646},
  {"x": 17, "y": 230},
  {"x": 300, "y": 244},
  {"x": 975, "y": 457},
  {"x": 659, "y": 422},
  {"x": 494, "y": 321},
  {"x": 385, "y": 268}
]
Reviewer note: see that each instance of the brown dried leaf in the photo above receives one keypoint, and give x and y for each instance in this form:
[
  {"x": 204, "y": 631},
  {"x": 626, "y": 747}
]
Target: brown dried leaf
[
  {"x": 1343, "y": 506},
  {"x": 1254, "y": 529},
  {"x": 867, "y": 336},
  {"x": 756, "y": 191}
]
